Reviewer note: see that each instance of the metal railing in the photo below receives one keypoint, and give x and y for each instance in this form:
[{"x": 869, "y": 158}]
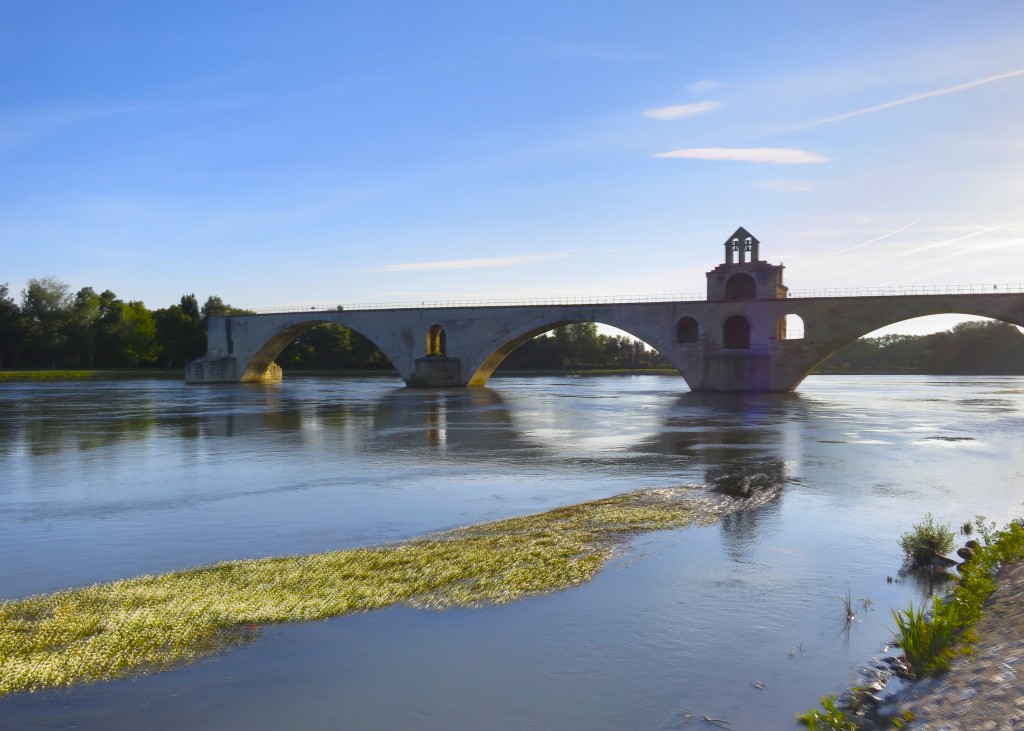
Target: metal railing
[
  {"x": 911, "y": 291},
  {"x": 645, "y": 298}
]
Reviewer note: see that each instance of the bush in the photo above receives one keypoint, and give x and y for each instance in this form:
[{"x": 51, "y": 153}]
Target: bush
[
  {"x": 926, "y": 539},
  {"x": 830, "y": 718}
]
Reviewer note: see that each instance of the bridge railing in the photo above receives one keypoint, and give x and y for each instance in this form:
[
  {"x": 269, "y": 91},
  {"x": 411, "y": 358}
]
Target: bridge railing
[
  {"x": 642, "y": 298},
  {"x": 451, "y": 304},
  {"x": 908, "y": 291}
]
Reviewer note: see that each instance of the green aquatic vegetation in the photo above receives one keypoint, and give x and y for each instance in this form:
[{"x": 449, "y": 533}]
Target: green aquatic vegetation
[
  {"x": 925, "y": 539},
  {"x": 149, "y": 623},
  {"x": 928, "y": 641},
  {"x": 829, "y": 718}
]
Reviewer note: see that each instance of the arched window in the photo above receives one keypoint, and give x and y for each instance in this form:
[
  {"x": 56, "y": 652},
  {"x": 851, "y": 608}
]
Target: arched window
[
  {"x": 741, "y": 286},
  {"x": 791, "y": 327},
  {"x": 687, "y": 330},
  {"x": 436, "y": 340},
  {"x": 736, "y": 333}
]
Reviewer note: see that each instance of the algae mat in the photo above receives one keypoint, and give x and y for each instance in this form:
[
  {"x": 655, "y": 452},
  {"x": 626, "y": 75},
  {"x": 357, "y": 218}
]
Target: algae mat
[{"x": 149, "y": 623}]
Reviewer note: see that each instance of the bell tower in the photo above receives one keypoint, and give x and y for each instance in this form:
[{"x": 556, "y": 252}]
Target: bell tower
[{"x": 744, "y": 276}]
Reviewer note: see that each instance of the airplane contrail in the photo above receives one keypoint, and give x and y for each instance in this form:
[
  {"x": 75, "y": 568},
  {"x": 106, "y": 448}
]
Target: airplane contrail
[
  {"x": 885, "y": 236},
  {"x": 912, "y": 98}
]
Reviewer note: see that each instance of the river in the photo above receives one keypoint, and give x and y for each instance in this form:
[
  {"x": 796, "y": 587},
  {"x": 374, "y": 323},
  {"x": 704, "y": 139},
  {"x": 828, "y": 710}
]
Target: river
[{"x": 741, "y": 620}]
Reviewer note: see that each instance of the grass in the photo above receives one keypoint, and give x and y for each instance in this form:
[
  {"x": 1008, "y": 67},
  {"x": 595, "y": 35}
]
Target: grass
[
  {"x": 82, "y": 375},
  {"x": 928, "y": 641},
  {"x": 148, "y": 623},
  {"x": 829, "y": 718}
]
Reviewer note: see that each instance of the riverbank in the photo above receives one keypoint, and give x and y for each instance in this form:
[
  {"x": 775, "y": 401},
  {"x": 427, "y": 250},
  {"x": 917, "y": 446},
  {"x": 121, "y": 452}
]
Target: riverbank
[
  {"x": 985, "y": 688},
  {"x": 90, "y": 375}
]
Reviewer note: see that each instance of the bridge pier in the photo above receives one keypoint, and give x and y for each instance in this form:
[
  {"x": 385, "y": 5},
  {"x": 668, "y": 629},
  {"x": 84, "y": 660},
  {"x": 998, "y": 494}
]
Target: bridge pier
[
  {"x": 225, "y": 369},
  {"x": 437, "y": 371}
]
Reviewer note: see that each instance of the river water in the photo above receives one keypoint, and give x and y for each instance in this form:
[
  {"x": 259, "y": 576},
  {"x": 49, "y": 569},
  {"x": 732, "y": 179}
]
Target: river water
[{"x": 742, "y": 620}]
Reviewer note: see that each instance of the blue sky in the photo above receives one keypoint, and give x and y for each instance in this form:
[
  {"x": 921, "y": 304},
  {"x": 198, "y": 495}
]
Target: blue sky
[{"x": 315, "y": 153}]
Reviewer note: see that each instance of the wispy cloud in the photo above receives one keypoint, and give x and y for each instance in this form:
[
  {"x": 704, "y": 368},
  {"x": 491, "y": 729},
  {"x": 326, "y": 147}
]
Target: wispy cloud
[
  {"x": 877, "y": 238},
  {"x": 773, "y": 155},
  {"x": 703, "y": 86},
  {"x": 682, "y": 111},
  {"x": 913, "y": 98},
  {"x": 786, "y": 186},
  {"x": 498, "y": 261}
]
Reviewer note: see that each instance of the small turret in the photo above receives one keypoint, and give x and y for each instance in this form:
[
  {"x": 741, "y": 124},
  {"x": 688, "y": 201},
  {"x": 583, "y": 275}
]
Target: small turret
[{"x": 744, "y": 276}]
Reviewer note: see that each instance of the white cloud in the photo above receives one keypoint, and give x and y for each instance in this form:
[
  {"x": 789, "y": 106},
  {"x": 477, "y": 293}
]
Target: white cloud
[
  {"x": 786, "y": 186},
  {"x": 913, "y": 98},
  {"x": 774, "y": 155},
  {"x": 498, "y": 261},
  {"x": 682, "y": 111}
]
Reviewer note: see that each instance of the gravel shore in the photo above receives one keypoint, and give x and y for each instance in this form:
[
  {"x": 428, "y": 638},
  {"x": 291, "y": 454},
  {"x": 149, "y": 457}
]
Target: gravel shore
[{"x": 984, "y": 691}]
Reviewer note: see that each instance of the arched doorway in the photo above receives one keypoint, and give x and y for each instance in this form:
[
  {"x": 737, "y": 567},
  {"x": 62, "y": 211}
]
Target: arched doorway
[
  {"x": 736, "y": 333},
  {"x": 741, "y": 286},
  {"x": 436, "y": 344},
  {"x": 687, "y": 330}
]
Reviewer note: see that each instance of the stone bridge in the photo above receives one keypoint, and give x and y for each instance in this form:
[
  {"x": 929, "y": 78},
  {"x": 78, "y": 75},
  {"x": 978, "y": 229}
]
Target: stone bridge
[{"x": 735, "y": 341}]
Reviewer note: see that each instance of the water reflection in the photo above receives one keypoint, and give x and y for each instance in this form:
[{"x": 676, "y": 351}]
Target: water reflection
[
  {"x": 102, "y": 481},
  {"x": 471, "y": 422}
]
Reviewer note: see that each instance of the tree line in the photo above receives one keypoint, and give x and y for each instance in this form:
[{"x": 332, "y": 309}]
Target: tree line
[
  {"x": 53, "y": 327},
  {"x": 986, "y": 347}
]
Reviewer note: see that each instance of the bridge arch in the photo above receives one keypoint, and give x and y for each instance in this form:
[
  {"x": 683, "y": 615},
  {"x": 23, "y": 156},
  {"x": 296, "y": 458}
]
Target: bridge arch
[
  {"x": 660, "y": 342},
  {"x": 824, "y": 335},
  {"x": 262, "y": 363}
]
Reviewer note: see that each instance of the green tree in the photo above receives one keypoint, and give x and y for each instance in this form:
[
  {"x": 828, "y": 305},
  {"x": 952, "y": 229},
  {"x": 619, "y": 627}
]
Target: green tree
[
  {"x": 46, "y": 307},
  {"x": 133, "y": 335},
  {"x": 214, "y": 305},
  {"x": 12, "y": 328},
  {"x": 180, "y": 331},
  {"x": 80, "y": 329}
]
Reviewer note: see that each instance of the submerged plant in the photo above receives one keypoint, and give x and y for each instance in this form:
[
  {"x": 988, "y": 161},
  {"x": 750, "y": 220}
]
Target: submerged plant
[
  {"x": 149, "y": 623},
  {"x": 925, "y": 539}
]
